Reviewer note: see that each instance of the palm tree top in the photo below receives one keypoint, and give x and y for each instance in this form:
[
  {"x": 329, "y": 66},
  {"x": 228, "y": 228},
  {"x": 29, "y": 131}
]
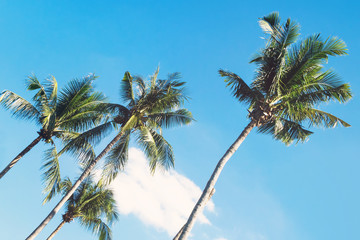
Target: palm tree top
[
  {"x": 93, "y": 205},
  {"x": 62, "y": 114},
  {"x": 149, "y": 106},
  {"x": 290, "y": 82},
  {"x": 74, "y": 108}
]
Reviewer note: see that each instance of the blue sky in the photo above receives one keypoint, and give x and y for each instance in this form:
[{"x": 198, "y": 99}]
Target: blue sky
[{"x": 267, "y": 191}]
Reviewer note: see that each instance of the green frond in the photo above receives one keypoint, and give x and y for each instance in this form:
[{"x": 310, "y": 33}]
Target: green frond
[
  {"x": 156, "y": 148},
  {"x": 80, "y": 149},
  {"x": 146, "y": 140},
  {"x": 32, "y": 84},
  {"x": 170, "y": 119},
  {"x": 333, "y": 46},
  {"x": 280, "y": 36},
  {"x": 340, "y": 93},
  {"x": 18, "y": 106},
  {"x": 285, "y": 131},
  {"x": 270, "y": 22},
  {"x": 320, "y": 88},
  {"x": 140, "y": 87},
  {"x": 72, "y": 95},
  {"x": 51, "y": 175},
  {"x": 65, "y": 185},
  {"x": 166, "y": 96},
  {"x": 92, "y": 136},
  {"x": 116, "y": 109},
  {"x": 126, "y": 89},
  {"x": 89, "y": 113},
  {"x": 98, "y": 227},
  {"x": 117, "y": 158},
  {"x": 93, "y": 206},
  {"x": 310, "y": 54},
  {"x": 324, "y": 119},
  {"x": 239, "y": 88},
  {"x": 153, "y": 78},
  {"x": 51, "y": 90}
]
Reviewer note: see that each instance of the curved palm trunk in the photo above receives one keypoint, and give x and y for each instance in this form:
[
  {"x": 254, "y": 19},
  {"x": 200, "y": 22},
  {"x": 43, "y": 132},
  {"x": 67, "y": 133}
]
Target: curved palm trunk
[
  {"x": 86, "y": 172},
  {"x": 18, "y": 157},
  {"x": 56, "y": 230},
  {"x": 211, "y": 183}
]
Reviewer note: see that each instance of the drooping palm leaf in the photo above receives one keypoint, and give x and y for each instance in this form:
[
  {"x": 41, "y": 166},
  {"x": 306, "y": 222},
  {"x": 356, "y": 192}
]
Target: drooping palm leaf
[
  {"x": 19, "y": 107},
  {"x": 116, "y": 158}
]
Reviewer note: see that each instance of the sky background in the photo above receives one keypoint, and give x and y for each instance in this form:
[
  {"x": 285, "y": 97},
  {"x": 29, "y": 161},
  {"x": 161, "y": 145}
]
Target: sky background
[{"x": 267, "y": 191}]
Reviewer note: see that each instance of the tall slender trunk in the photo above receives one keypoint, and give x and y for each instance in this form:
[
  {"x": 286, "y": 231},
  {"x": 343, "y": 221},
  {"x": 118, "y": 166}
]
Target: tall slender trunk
[
  {"x": 56, "y": 230},
  {"x": 211, "y": 183},
  {"x": 86, "y": 172},
  {"x": 18, "y": 157},
  {"x": 182, "y": 228}
]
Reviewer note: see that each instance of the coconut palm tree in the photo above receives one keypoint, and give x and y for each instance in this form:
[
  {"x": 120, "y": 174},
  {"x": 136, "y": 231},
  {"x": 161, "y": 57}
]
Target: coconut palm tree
[
  {"x": 289, "y": 85},
  {"x": 91, "y": 204},
  {"x": 150, "y": 107},
  {"x": 59, "y": 115}
]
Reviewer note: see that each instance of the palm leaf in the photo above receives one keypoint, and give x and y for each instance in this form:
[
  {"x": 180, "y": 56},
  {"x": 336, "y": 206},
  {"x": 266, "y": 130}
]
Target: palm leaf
[
  {"x": 98, "y": 227},
  {"x": 126, "y": 89},
  {"x": 156, "y": 148},
  {"x": 169, "y": 119},
  {"x": 19, "y": 107},
  {"x": 74, "y": 93},
  {"x": 239, "y": 88},
  {"x": 117, "y": 158},
  {"x": 285, "y": 131},
  {"x": 51, "y": 176},
  {"x": 321, "y": 118}
]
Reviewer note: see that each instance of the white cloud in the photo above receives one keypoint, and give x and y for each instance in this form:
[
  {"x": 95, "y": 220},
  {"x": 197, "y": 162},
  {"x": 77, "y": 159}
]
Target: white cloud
[{"x": 163, "y": 200}]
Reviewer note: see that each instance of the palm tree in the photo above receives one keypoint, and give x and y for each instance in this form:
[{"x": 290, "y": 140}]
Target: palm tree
[
  {"x": 90, "y": 204},
  {"x": 76, "y": 108},
  {"x": 290, "y": 82},
  {"x": 150, "y": 107}
]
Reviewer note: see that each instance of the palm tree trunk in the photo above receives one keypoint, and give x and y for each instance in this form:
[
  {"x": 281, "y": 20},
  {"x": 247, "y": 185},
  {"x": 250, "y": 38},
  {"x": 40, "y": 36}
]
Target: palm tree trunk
[
  {"x": 182, "y": 228},
  {"x": 86, "y": 172},
  {"x": 18, "y": 157},
  {"x": 211, "y": 183},
  {"x": 56, "y": 230}
]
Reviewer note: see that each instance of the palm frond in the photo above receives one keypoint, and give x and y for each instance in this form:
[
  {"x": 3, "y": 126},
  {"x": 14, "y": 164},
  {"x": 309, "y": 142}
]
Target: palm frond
[
  {"x": 156, "y": 148},
  {"x": 271, "y": 60},
  {"x": 117, "y": 158},
  {"x": 321, "y": 118},
  {"x": 51, "y": 175},
  {"x": 98, "y": 227},
  {"x": 310, "y": 54},
  {"x": 170, "y": 119},
  {"x": 285, "y": 131},
  {"x": 239, "y": 88},
  {"x": 65, "y": 185},
  {"x": 282, "y": 36},
  {"x": 19, "y": 107},
  {"x": 126, "y": 89},
  {"x": 74, "y": 93},
  {"x": 270, "y": 22},
  {"x": 32, "y": 84},
  {"x": 153, "y": 78},
  {"x": 321, "y": 88},
  {"x": 51, "y": 90},
  {"x": 92, "y": 136},
  {"x": 140, "y": 87},
  {"x": 76, "y": 147},
  {"x": 168, "y": 95}
]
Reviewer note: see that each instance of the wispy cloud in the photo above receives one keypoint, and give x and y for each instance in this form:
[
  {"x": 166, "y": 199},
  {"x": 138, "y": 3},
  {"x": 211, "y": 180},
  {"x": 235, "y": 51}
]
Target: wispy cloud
[{"x": 163, "y": 200}]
